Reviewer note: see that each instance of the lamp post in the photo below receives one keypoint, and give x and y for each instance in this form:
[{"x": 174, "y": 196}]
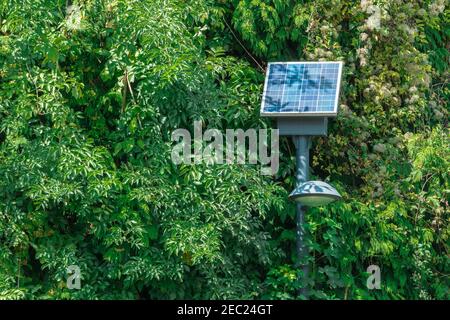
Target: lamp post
[
  {"x": 302, "y": 96},
  {"x": 306, "y": 193},
  {"x": 302, "y": 173}
]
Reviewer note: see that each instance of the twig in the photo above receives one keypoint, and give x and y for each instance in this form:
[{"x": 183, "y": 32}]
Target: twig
[
  {"x": 132, "y": 97},
  {"x": 426, "y": 181},
  {"x": 242, "y": 45},
  {"x": 124, "y": 94},
  {"x": 129, "y": 88},
  {"x": 18, "y": 273}
]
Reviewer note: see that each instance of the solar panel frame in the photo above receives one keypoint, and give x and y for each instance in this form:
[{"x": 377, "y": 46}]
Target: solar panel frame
[{"x": 332, "y": 113}]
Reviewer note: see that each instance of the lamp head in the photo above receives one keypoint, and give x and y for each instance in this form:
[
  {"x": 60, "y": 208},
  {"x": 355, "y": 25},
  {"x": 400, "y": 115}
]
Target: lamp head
[{"x": 314, "y": 194}]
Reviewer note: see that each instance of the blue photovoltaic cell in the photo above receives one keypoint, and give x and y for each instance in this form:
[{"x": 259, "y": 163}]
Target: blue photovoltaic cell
[{"x": 301, "y": 87}]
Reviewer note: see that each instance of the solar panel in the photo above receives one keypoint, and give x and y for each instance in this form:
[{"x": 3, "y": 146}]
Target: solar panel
[{"x": 301, "y": 89}]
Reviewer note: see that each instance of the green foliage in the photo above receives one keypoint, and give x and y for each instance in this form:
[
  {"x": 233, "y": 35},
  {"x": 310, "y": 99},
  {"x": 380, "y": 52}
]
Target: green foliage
[
  {"x": 273, "y": 28},
  {"x": 91, "y": 92}
]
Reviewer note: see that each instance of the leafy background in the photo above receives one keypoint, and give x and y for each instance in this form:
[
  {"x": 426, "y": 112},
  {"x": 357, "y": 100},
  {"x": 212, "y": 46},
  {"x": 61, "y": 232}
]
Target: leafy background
[{"x": 90, "y": 92}]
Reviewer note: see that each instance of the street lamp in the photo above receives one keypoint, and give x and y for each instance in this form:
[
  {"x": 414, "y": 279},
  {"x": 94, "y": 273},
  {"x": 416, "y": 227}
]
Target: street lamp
[
  {"x": 301, "y": 96},
  {"x": 307, "y": 194}
]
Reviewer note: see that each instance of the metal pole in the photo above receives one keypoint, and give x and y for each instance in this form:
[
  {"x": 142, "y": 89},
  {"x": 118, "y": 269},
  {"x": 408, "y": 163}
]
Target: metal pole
[{"x": 302, "y": 159}]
